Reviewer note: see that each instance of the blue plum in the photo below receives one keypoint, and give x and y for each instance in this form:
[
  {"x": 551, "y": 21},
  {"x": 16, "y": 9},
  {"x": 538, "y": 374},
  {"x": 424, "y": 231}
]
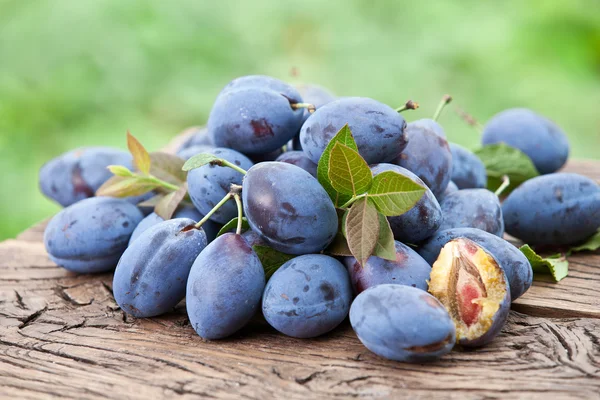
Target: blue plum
[
  {"x": 377, "y": 129},
  {"x": 208, "y": 184},
  {"x": 210, "y": 228},
  {"x": 315, "y": 95},
  {"x": 451, "y": 188},
  {"x": 152, "y": 273},
  {"x": 473, "y": 287},
  {"x": 468, "y": 170},
  {"x": 300, "y": 159},
  {"x": 197, "y": 136},
  {"x": 288, "y": 208},
  {"x": 191, "y": 151},
  {"x": 77, "y": 174},
  {"x": 429, "y": 124},
  {"x": 419, "y": 222},
  {"x": 428, "y": 156},
  {"x": 307, "y": 296},
  {"x": 270, "y": 156},
  {"x": 516, "y": 266},
  {"x": 224, "y": 287},
  {"x": 255, "y": 115},
  {"x": 402, "y": 323},
  {"x": 473, "y": 208},
  {"x": 538, "y": 137},
  {"x": 553, "y": 209},
  {"x": 90, "y": 235},
  {"x": 408, "y": 269},
  {"x": 253, "y": 238}
]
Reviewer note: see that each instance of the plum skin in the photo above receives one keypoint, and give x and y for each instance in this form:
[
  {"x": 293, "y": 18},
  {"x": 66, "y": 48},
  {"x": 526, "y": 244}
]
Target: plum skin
[
  {"x": 409, "y": 269},
  {"x": 515, "y": 265},
  {"x": 428, "y": 156},
  {"x": 377, "y": 129},
  {"x": 152, "y": 273},
  {"x": 421, "y": 221},
  {"x": 224, "y": 287},
  {"x": 307, "y": 296},
  {"x": 402, "y": 323},
  {"x": 553, "y": 209},
  {"x": 473, "y": 208},
  {"x": 468, "y": 171},
  {"x": 208, "y": 184},
  {"x": 288, "y": 208},
  {"x": 313, "y": 94},
  {"x": 300, "y": 159},
  {"x": 451, "y": 188},
  {"x": 538, "y": 137},
  {"x": 90, "y": 235}
]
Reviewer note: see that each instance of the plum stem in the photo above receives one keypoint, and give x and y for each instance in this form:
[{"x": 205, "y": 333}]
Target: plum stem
[
  {"x": 214, "y": 209},
  {"x": 445, "y": 100},
  {"x": 503, "y": 186},
  {"x": 352, "y": 200},
  {"x": 225, "y": 163},
  {"x": 409, "y": 105},
  {"x": 469, "y": 119},
  {"x": 310, "y": 107},
  {"x": 160, "y": 182},
  {"x": 238, "y": 201}
]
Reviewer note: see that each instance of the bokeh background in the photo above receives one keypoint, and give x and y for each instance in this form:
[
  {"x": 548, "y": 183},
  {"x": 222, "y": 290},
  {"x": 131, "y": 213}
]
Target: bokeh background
[{"x": 76, "y": 73}]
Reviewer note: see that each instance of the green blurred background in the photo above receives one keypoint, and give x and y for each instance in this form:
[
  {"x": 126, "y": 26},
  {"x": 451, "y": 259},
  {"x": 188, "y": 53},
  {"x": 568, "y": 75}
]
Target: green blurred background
[{"x": 76, "y": 73}]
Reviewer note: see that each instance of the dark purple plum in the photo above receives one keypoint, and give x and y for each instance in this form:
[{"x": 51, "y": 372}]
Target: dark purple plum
[
  {"x": 198, "y": 136},
  {"x": 473, "y": 287},
  {"x": 315, "y": 95},
  {"x": 421, "y": 221},
  {"x": 262, "y": 157},
  {"x": 191, "y": 151},
  {"x": 90, "y": 235},
  {"x": 451, "y": 188},
  {"x": 288, "y": 208},
  {"x": 554, "y": 209},
  {"x": 473, "y": 208},
  {"x": 408, "y": 269},
  {"x": 307, "y": 296},
  {"x": 152, "y": 273},
  {"x": 468, "y": 170},
  {"x": 538, "y": 137},
  {"x": 300, "y": 159},
  {"x": 402, "y": 323},
  {"x": 511, "y": 259},
  {"x": 208, "y": 184},
  {"x": 224, "y": 287},
  {"x": 429, "y": 124},
  {"x": 377, "y": 129}
]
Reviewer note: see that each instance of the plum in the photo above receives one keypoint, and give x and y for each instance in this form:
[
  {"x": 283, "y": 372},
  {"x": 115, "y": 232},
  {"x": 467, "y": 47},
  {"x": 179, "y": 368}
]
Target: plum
[
  {"x": 473, "y": 287},
  {"x": 377, "y": 129},
  {"x": 408, "y": 269},
  {"x": 224, "y": 287},
  {"x": 307, "y": 296},
  {"x": 421, "y": 221},
  {"x": 198, "y": 136},
  {"x": 516, "y": 266},
  {"x": 402, "y": 323},
  {"x": 468, "y": 170},
  {"x": 152, "y": 273},
  {"x": 191, "y": 151},
  {"x": 288, "y": 208},
  {"x": 77, "y": 174},
  {"x": 538, "y": 137},
  {"x": 451, "y": 188},
  {"x": 300, "y": 159},
  {"x": 473, "y": 208},
  {"x": 315, "y": 95},
  {"x": 208, "y": 184},
  {"x": 90, "y": 235},
  {"x": 553, "y": 209}
]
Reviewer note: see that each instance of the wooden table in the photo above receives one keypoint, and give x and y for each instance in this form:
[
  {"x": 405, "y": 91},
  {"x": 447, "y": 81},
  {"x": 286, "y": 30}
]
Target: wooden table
[{"x": 62, "y": 334}]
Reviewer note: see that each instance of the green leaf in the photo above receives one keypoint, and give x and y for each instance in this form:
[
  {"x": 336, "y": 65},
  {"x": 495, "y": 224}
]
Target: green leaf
[
  {"x": 118, "y": 186},
  {"x": 271, "y": 259},
  {"x": 141, "y": 158},
  {"x": 394, "y": 194},
  {"x": 169, "y": 203},
  {"x": 556, "y": 265},
  {"x": 343, "y": 136},
  {"x": 167, "y": 167},
  {"x": 501, "y": 159},
  {"x": 348, "y": 172},
  {"x": 592, "y": 244},
  {"x": 151, "y": 202},
  {"x": 362, "y": 229},
  {"x": 385, "y": 247},
  {"x": 120, "y": 170},
  {"x": 232, "y": 225},
  {"x": 199, "y": 160},
  {"x": 339, "y": 246}
]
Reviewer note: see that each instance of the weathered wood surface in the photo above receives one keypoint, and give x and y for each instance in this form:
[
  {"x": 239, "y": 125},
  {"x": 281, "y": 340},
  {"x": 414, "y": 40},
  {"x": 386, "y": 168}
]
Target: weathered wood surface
[{"x": 63, "y": 335}]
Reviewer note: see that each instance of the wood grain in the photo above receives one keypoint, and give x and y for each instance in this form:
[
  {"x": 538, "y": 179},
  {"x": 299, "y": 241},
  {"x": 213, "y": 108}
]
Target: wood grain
[{"x": 63, "y": 335}]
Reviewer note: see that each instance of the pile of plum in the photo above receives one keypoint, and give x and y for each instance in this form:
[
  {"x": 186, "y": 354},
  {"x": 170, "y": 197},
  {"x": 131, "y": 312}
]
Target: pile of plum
[{"x": 307, "y": 208}]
